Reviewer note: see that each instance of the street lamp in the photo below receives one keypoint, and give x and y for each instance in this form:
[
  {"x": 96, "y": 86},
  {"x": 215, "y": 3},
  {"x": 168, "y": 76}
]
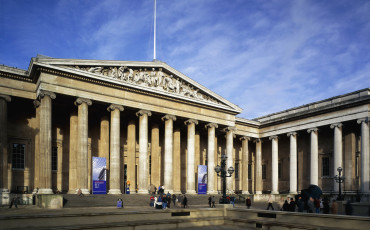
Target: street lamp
[
  {"x": 339, "y": 179},
  {"x": 222, "y": 169}
]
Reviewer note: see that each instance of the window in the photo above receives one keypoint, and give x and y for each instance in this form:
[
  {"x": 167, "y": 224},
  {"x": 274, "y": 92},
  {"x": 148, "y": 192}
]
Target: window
[
  {"x": 279, "y": 171},
  {"x": 236, "y": 170},
  {"x": 357, "y": 171},
  {"x": 249, "y": 171},
  {"x": 54, "y": 158},
  {"x": 18, "y": 152},
  {"x": 263, "y": 172},
  {"x": 150, "y": 164},
  {"x": 325, "y": 166}
]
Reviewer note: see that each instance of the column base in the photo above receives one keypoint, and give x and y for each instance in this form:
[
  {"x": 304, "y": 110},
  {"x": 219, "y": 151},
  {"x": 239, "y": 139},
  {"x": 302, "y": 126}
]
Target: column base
[
  {"x": 191, "y": 192},
  {"x": 143, "y": 191},
  {"x": 274, "y": 192},
  {"x": 245, "y": 192},
  {"x": 176, "y": 192},
  {"x": 114, "y": 191},
  {"x": 213, "y": 192},
  {"x": 293, "y": 192},
  {"x": 45, "y": 191},
  {"x": 72, "y": 191},
  {"x": 258, "y": 192},
  {"x": 4, "y": 196},
  {"x": 85, "y": 191}
]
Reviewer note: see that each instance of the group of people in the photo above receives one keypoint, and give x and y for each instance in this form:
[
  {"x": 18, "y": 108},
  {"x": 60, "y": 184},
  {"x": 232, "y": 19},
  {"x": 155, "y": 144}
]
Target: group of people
[{"x": 163, "y": 201}]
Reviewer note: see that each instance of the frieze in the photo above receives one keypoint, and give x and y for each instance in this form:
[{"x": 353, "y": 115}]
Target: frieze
[{"x": 154, "y": 79}]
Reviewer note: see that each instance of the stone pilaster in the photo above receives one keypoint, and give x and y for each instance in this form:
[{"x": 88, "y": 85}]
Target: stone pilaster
[
  {"x": 338, "y": 151},
  {"x": 82, "y": 144},
  {"x": 230, "y": 159},
  {"x": 45, "y": 176},
  {"x": 364, "y": 176},
  {"x": 114, "y": 161},
  {"x": 314, "y": 172},
  {"x": 245, "y": 163},
  {"x": 143, "y": 151},
  {"x": 293, "y": 162},
  {"x": 211, "y": 158},
  {"x": 190, "y": 171},
  {"x": 168, "y": 151},
  {"x": 4, "y": 189},
  {"x": 258, "y": 166},
  {"x": 274, "y": 165}
]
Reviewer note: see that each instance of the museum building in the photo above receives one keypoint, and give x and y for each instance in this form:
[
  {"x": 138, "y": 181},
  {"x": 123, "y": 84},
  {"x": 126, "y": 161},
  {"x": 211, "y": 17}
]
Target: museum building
[{"x": 154, "y": 126}]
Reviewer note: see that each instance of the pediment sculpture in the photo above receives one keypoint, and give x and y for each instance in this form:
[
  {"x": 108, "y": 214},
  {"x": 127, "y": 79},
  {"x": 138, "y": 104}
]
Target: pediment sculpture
[{"x": 154, "y": 79}]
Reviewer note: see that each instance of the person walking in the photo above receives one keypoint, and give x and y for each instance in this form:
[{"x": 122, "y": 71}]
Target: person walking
[
  {"x": 174, "y": 200},
  {"x": 185, "y": 201},
  {"x": 248, "y": 202},
  {"x": 326, "y": 208},
  {"x": 334, "y": 207},
  {"x": 311, "y": 205},
  {"x": 179, "y": 200},
  {"x": 270, "y": 203},
  {"x": 292, "y": 205},
  {"x": 317, "y": 205},
  {"x": 210, "y": 200},
  {"x": 213, "y": 202}
]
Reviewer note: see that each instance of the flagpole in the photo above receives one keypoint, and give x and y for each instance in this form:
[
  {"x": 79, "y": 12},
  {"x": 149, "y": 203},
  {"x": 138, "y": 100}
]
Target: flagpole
[{"x": 155, "y": 25}]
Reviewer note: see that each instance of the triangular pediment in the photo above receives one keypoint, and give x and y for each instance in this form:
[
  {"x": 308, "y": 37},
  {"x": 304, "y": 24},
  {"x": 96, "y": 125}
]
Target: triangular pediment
[{"x": 156, "y": 77}]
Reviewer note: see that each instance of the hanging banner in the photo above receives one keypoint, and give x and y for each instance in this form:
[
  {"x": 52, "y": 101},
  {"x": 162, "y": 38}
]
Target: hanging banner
[
  {"x": 202, "y": 179},
  {"x": 99, "y": 174}
]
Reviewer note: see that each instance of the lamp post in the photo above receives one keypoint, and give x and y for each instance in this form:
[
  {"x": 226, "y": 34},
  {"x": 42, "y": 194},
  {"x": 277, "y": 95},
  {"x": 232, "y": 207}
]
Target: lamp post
[
  {"x": 222, "y": 169},
  {"x": 339, "y": 179}
]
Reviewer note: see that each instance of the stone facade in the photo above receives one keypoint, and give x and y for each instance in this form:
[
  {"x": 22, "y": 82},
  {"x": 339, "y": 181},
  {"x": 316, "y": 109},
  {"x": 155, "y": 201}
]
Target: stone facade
[{"x": 155, "y": 125}]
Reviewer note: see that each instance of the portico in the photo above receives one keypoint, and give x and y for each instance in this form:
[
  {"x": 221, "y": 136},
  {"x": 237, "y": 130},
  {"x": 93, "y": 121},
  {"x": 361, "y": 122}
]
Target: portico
[{"x": 156, "y": 127}]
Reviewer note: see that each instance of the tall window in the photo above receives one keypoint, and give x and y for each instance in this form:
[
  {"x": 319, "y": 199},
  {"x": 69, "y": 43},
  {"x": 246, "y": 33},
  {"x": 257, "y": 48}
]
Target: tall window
[
  {"x": 150, "y": 164},
  {"x": 325, "y": 166},
  {"x": 54, "y": 158},
  {"x": 263, "y": 172},
  {"x": 357, "y": 162},
  {"x": 18, "y": 152},
  {"x": 249, "y": 171},
  {"x": 236, "y": 170}
]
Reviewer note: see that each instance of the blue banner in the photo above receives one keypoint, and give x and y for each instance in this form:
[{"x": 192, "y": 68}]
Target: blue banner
[
  {"x": 99, "y": 175},
  {"x": 202, "y": 179}
]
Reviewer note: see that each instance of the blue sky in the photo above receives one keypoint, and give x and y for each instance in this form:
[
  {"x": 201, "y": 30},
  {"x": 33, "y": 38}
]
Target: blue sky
[{"x": 263, "y": 55}]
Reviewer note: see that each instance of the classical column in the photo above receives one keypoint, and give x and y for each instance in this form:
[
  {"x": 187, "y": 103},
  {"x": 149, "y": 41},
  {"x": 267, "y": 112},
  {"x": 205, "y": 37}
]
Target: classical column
[
  {"x": 364, "y": 180},
  {"x": 274, "y": 165},
  {"x": 168, "y": 151},
  {"x": 245, "y": 163},
  {"x": 114, "y": 161},
  {"x": 258, "y": 166},
  {"x": 82, "y": 144},
  {"x": 190, "y": 175},
  {"x": 143, "y": 151},
  {"x": 338, "y": 150},
  {"x": 156, "y": 156},
  {"x": 73, "y": 134},
  {"x": 230, "y": 159},
  {"x": 211, "y": 158},
  {"x": 293, "y": 162},
  {"x": 4, "y": 190},
  {"x": 45, "y": 176},
  {"x": 314, "y": 172}
]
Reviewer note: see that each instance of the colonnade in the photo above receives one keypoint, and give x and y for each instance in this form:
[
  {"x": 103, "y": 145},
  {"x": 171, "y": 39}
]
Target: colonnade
[{"x": 79, "y": 164}]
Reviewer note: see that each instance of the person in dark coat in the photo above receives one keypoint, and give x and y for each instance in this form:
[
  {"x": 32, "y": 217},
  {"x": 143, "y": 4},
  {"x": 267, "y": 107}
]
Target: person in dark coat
[
  {"x": 248, "y": 202},
  {"x": 325, "y": 203},
  {"x": 286, "y": 206},
  {"x": 311, "y": 205},
  {"x": 185, "y": 201},
  {"x": 210, "y": 200},
  {"x": 349, "y": 208},
  {"x": 300, "y": 204},
  {"x": 292, "y": 205}
]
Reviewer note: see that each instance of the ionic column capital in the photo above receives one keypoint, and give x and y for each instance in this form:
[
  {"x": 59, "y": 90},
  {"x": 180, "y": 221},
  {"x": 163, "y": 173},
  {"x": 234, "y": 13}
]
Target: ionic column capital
[
  {"x": 257, "y": 140},
  {"x": 273, "y": 137},
  {"x": 211, "y": 125},
  {"x": 312, "y": 130},
  {"x": 338, "y": 125},
  {"x": 365, "y": 120},
  {"x": 191, "y": 121},
  {"x": 230, "y": 128},
  {"x": 169, "y": 117},
  {"x": 43, "y": 93},
  {"x": 292, "y": 134},
  {"x": 36, "y": 103},
  {"x": 143, "y": 112},
  {"x": 81, "y": 100},
  {"x": 245, "y": 138},
  {"x": 5, "y": 97},
  {"x": 113, "y": 107}
]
